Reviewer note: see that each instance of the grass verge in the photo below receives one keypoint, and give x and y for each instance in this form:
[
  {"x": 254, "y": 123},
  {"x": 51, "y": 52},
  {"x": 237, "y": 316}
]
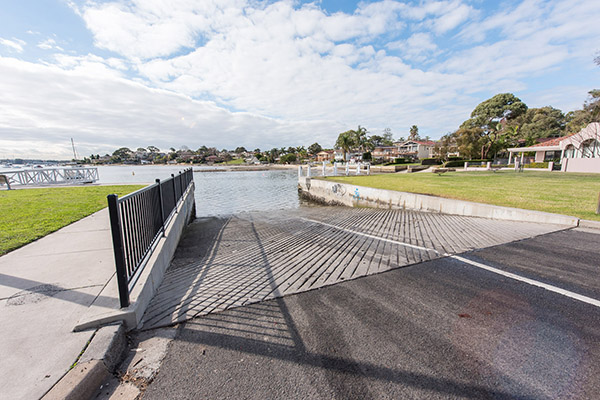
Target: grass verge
[
  {"x": 555, "y": 192},
  {"x": 29, "y": 214},
  {"x": 235, "y": 161}
]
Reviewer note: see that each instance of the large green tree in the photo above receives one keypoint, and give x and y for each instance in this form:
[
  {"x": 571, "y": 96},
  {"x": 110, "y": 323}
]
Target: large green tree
[
  {"x": 491, "y": 116},
  {"x": 469, "y": 141},
  {"x": 315, "y": 148},
  {"x": 537, "y": 123}
]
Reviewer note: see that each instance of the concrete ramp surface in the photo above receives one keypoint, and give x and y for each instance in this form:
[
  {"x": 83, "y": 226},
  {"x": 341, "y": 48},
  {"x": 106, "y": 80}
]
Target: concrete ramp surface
[{"x": 223, "y": 263}]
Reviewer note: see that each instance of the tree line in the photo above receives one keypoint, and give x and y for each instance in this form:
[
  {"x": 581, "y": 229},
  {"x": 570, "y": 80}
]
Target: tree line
[{"x": 504, "y": 121}]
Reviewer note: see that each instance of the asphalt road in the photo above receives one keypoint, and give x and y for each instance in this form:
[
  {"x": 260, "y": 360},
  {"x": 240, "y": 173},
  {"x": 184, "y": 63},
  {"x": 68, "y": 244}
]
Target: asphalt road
[{"x": 438, "y": 329}]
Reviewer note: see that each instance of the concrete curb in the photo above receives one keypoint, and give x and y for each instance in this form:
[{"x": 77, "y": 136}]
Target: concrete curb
[
  {"x": 99, "y": 360},
  {"x": 585, "y": 223}
]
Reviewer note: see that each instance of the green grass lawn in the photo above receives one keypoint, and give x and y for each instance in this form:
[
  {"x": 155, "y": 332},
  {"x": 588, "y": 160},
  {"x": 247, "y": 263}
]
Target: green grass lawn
[
  {"x": 235, "y": 161},
  {"x": 29, "y": 214},
  {"x": 555, "y": 192}
]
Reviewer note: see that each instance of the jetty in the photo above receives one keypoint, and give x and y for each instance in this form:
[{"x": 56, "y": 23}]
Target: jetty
[{"x": 51, "y": 176}]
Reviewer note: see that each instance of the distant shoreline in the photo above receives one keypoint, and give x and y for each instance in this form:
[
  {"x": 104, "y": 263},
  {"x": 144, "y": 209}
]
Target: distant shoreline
[{"x": 244, "y": 168}]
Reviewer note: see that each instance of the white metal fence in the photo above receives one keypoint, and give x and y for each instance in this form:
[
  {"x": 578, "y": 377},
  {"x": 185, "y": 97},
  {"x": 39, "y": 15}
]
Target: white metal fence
[{"x": 337, "y": 169}]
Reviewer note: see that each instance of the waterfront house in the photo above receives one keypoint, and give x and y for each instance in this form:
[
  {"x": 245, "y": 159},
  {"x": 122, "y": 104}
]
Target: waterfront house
[
  {"x": 388, "y": 153},
  {"x": 325, "y": 155},
  {"x": 416, "y": 149}
]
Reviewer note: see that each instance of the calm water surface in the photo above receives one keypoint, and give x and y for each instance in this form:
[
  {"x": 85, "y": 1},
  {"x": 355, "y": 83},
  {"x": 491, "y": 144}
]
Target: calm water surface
[{"x": 220, "y": 193}]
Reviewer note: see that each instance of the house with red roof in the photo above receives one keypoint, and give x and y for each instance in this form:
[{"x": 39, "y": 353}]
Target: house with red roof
[{"x": 578, "y": 152}]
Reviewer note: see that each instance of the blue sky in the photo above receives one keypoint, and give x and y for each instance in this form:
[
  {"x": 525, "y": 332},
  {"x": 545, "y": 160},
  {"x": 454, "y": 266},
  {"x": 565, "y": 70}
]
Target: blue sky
[{"x": 279, "y": 73}]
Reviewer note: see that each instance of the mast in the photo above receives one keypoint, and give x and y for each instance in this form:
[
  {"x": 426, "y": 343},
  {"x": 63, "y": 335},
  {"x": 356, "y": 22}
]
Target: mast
[{"x": 74, "y": 152}]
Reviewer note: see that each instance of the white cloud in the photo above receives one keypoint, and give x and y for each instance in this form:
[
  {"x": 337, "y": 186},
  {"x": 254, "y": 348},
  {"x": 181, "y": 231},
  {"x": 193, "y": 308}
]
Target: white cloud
[
  {"x": 296, "y": 73},
  {"x": 451, "y": 18},
  {"x": 49, "y": 44},
  {"x": 14, "y": 44},
  {"x": 417, "y": 47},
  {"x": 43, "y": 106}
]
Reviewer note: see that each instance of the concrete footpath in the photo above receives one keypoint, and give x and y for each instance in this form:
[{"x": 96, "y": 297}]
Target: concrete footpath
[{"x": 45, "y": 288}]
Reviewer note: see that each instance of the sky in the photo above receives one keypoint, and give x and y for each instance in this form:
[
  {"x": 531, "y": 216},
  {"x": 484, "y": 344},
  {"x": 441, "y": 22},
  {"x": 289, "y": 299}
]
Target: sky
[{"x": 264, "y": 74}]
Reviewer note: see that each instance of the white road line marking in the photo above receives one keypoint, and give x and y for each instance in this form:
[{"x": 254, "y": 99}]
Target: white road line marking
[
  {"x": 546, "y": 286},
  {"x": 371, "y": 236},
  {"x": 532, "y": 282}
]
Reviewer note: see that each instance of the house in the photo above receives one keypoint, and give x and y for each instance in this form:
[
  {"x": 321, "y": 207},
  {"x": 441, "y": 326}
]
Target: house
[
  {"x": 388, "y": 153},
  {"x": 325, "y": 155},
  {"x": 416, "y": 148},
  {"x": 350, "y": 156},
  {"x": 579, "y": 152},
  {"x": 547, "y": 150}
]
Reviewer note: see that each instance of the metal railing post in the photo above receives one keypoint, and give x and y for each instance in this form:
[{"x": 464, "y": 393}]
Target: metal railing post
[
  {"x": 160, "y": 204},
  {"x": 174, "y": 191},
  {"x": 115, "y": 227}
]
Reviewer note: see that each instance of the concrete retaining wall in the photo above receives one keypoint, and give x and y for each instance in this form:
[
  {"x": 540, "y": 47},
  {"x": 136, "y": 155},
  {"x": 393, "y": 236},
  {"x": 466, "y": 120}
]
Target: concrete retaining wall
[
  {"x": 149, "y": 280},
  {"x": 328, "y": 192}
]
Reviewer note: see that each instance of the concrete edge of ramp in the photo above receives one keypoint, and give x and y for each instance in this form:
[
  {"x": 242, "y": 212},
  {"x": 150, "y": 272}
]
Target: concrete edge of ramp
[{"x": 329, "y": 192}]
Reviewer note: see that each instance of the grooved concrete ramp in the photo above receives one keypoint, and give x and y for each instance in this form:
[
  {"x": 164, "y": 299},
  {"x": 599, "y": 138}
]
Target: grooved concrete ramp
[{"x": 248, "y": 258}]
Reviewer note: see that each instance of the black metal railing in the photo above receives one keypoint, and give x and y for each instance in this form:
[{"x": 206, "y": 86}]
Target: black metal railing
[{"x": 138, "y": 221}]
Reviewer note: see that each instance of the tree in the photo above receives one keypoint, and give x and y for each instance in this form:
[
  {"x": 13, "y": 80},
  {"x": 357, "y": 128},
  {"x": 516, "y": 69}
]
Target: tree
[
  {"x": 315, "y": 148},
  {"x": 121, "y": 154},
  {"x": 579, "y": 119},
  {"x": 360, "y": 138},
  {"x": 153, "y": 149},
  {"x": 288, "y": 158},
  {"x": 377, "y": 140},
  {"x": 273, "y": 154},
  {"x": 388, "y": 137},
  {"x": 345, "y": 141},
  {"x": 240, "y": 149},
  {"x": 444, "y": 146},
  {"x": 536, "y": 123},
  {"x": 469, "y": 141},
  {"x": 414, "y": 133},
  {"x": 490, "y": 117}
]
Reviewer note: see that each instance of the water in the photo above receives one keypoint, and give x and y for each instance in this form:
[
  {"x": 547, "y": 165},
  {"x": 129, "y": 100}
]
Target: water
[{"x": 219, "y": 193}]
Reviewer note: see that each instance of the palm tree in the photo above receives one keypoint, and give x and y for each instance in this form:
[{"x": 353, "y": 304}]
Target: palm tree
[
  {"x": 345, "y": 141},
  {"x": 414, "y": 133},
  {"x": 360, "y": 138}
]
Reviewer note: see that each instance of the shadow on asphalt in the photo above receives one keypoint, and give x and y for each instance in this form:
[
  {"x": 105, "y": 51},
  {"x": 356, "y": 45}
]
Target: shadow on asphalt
[{"x": 268, "y": 335}]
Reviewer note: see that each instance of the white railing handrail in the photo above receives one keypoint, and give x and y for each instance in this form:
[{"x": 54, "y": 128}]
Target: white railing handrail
[
  {"x": 336, "y": 169},
  {"x": 45, "y": 176}
]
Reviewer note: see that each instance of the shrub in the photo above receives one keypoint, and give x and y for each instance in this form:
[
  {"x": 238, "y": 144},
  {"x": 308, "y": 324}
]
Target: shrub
[
  {"x": 400, "y": 160},
  {"x": 431, "y": 161},
  {"x": 460, "y": 163},
  {"x": 288, "y": 158},
  {"x": 455, "y": 163},
  {"x": 536, "y": 165},
  {"x": 366, "y": 156}
]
